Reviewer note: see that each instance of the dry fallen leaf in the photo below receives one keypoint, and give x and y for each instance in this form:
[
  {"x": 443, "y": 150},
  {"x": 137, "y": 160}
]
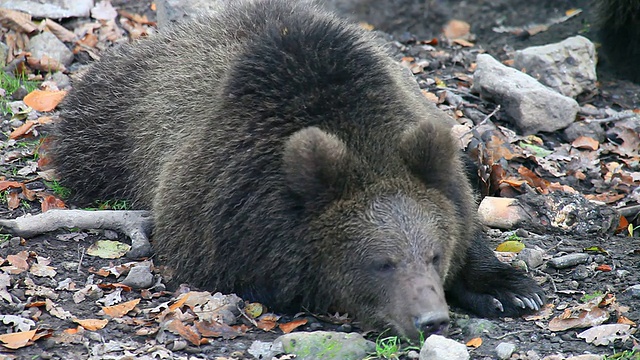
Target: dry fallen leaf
[
  {"x": 19, "y": 260},
  {"x": 120, "y": 310},
  {"x": 44, "y": 100},
  {"x": 18, "y": 339},
  {"x": 290, "y": 326},
  {"x": 585, "y": 142},
  {"x": 606, "y": 334},
  {"x": 474, "y": 343},
  {"x": 186, "y": 332},
  {"x": 92, "y": 324}
]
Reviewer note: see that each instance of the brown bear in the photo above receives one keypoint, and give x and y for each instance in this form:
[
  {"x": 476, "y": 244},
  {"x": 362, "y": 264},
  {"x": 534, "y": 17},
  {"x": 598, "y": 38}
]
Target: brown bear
[
  {"x": 286, "y": 158},
  {"x": 620, "y": 36}
]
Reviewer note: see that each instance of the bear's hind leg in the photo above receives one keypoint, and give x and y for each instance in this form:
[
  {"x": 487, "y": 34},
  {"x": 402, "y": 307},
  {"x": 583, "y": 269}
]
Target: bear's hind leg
[{"x": 490, "y": 288}]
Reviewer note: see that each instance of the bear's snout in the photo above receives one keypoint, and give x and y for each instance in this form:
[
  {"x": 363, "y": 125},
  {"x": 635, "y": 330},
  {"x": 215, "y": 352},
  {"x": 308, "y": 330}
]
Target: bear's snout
[{"x": 435, "y": 322}]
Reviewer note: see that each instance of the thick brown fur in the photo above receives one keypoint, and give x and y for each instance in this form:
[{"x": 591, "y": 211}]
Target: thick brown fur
[
  {"x": 286, "y": 158},
  {"x": 620, "y": 36}
]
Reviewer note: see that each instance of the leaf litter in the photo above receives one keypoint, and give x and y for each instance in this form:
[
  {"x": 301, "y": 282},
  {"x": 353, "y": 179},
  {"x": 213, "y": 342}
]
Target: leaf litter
[{"x": 605, "y": 171}]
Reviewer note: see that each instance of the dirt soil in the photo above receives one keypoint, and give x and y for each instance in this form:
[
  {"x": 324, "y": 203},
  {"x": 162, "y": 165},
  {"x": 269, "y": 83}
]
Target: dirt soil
[{"x": 565, "y": 287}]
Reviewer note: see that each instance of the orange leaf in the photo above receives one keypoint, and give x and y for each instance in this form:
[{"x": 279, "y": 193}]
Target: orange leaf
[
  {"x": 71, "y": 331},
  {"x": 625, "y": 320},
  {"x": 44, "y": 100},
  {"x": 178, "y": 304},
  {"x": 475, "y": 342},
  {"x": 604, "y": 268},
  {"x": 266, "y": 324},
  {"x": 623, "y": 224},
  {"x": 177, "y": 327},
  {"x": 19, "y": 260},
  {"x": 22, "y": 129},
  {"x": 5, "y": 184},
  {"x": 18, "y": 339},
  {"x": 51, "y": 202},
  {"x": 585, "y": 142},
  {"x": 120, "y": 310},
  {"x": 92, "y": 324},
  {"x": 290, "y": 326}
]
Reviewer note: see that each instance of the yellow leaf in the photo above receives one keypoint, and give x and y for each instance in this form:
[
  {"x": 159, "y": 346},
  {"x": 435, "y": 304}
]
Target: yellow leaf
[{"x": 510, "y": 246}]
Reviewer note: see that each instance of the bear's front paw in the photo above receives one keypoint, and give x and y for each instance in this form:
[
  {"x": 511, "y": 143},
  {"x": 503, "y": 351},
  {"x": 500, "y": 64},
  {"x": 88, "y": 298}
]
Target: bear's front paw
[{"x": 506, "y": 292}]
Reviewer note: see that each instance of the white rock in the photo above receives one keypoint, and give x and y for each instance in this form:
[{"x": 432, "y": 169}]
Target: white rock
[
  {"x": 438, "y": 347},
  {"x": 531, "y": 105},
  {"x": 54, "y": 9},
  {"x": 505, "y": 350},
  {"x": 569, "y": 66}
]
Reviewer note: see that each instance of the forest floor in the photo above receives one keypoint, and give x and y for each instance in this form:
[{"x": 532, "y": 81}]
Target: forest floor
[{"x": 43, "y": 275}]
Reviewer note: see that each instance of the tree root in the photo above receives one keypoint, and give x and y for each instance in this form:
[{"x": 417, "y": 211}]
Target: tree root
[{"x": 136, "y": 224}]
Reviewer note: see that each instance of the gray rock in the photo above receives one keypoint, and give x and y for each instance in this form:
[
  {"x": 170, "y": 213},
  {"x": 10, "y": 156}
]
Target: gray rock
[
  {"x": 565, "y": 261},
  {"x": 531, "y": 257},
  {"x": 265, "y": 350},
  {"x": 139, "y": 277},
  {"x": 169, "y": 11},
  {"x": 438, "y": 347},
  {"x": 582, "y": 128},
  {"x": 634, "y": 291},
  {"x": 326, "y": 345},
  {"x": 569, "y": 66},
  {"x": 475, "y": 327},
  {"x": 532, "y": 106},
  {"x": 505, "y": 350},
  {"x": 54, "y": 9},
  {"x": 47, "y": 44}
]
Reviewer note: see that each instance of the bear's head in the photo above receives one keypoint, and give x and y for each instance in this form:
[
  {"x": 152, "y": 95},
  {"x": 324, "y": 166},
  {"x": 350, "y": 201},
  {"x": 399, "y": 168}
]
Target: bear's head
[{"x": 383, "y": 237}]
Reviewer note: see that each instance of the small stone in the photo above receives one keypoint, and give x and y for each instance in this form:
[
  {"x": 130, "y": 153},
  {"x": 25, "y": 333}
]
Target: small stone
[
  {"x": 573, "y": 285},
  {"x": 505, "y": 350},
  {"x": 438, "y": 347},
  {"x": 532, "y": 257},
  {"x": 54, "y": 9},
  {"x": 634, "y": 291},
  {"x": 46, "y": 45},
  {"x": 265, "y": 350},
  {"x": 581, "y": 272},
  {"x": 110, "y": 235},
  {"x": 413, "y": 355},
  {"x": 139, "y": 277},
  {"x": 532, "y": 355},
  {"x": 621, "y": 274},
  {"x": 582, "y": 128},
  {"x": 475, "y": 327}
]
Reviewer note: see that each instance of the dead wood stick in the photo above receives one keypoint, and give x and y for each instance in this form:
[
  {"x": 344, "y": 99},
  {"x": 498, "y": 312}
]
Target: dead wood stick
[{"x": 136, "y": 224}]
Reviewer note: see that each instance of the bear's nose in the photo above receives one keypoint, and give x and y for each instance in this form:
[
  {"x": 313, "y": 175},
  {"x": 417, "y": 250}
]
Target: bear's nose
[{"x": 433, "y": 323}]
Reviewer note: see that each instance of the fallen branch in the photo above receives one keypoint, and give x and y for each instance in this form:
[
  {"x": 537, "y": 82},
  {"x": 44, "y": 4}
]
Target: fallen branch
[{"x": 136, "y": 224}]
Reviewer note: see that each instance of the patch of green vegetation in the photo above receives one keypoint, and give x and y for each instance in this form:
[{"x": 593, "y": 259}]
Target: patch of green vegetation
[
  {"x": 25, "y": 204},
  {"x": 589, "y": 297},
  {"x": 61, "y": 191},
  {"x": 514, "y": 237},
  {"x": 10, "y": 84},
  {"x": 625, "y": 355},
  {"x": 111, "y": 205},
  {"x": 630, "y": 229},
  {"x": 392, "y": 347},
  {"x": 5, "y": 237}
]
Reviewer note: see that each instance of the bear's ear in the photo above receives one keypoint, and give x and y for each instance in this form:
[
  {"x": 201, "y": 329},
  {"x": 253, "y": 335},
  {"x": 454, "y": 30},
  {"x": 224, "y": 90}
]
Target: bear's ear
[
  {"x": 316, "y": 165},
  {"x": 430, "y": 152}
]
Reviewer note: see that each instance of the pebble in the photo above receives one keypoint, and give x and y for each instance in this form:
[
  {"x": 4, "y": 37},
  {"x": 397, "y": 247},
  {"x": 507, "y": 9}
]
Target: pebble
[
  {"x": 581, "y": 272},
  {"x": 265, "y": 350},
  {"x": 634, "y": 291},
  {"x": 438, "y": 347},
  {"x": 504, "y": 350},
  {"x": 139, "y": 277},
  {"x": 531, "y": 257},
  {"x": 413, "y": 355}
]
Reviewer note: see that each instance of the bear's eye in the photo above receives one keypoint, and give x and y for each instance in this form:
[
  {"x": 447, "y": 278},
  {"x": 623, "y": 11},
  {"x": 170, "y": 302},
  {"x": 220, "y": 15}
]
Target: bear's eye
[
  {"x": 384, "y": 266},
  {"x": 436, "y": 260}
]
